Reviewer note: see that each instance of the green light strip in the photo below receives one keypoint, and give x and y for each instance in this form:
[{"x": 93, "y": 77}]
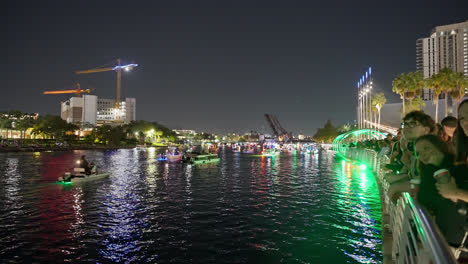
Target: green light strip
[{"x": 354, "y": 136}]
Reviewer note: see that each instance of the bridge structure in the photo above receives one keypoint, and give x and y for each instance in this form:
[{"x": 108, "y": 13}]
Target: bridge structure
[
  {"x": 278, "y": 131},
  {"x": 341, "y": 142}
]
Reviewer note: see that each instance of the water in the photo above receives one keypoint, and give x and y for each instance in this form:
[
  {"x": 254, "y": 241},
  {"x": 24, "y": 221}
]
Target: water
[{"x": 245, "y": 209}]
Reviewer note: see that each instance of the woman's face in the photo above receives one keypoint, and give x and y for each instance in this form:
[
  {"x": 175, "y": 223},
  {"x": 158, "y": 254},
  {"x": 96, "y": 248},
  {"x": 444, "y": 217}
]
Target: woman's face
[
  {"x": 463, "y": 118},
  {"x": 428, "y": 154}
]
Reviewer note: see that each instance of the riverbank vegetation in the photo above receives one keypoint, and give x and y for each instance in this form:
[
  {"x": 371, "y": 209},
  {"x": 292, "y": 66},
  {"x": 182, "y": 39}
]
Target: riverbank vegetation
[{"x": 20, "y": 130}]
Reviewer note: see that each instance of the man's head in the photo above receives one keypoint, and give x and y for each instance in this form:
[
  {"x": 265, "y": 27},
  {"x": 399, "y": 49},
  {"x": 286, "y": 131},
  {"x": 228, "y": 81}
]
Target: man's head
[
  {"x": 83, "y": 157},
  {"x": 449, "y": 124},
  {"x": 416, "y": 124},
  {"x": 389, "y": 137}
]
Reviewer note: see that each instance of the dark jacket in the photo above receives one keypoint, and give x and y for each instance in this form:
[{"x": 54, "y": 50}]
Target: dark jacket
[{"x": 449, "y": 221}]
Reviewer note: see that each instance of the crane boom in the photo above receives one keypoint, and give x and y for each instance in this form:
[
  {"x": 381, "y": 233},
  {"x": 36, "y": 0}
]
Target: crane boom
[
  {"x": 95, "y": 70},
  {"x": 79, "y": 91}
]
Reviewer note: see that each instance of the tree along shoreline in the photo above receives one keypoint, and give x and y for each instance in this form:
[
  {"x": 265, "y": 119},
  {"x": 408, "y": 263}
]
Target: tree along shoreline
[{"x": 62, "y": 148}]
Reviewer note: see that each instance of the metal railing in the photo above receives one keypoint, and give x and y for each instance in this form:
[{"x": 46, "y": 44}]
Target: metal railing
[{"x": 415, "y": 236}]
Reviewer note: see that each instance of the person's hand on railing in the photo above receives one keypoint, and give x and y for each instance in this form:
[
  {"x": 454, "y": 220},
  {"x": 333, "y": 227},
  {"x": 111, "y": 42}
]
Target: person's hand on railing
[{"x": 393, "y": 178}]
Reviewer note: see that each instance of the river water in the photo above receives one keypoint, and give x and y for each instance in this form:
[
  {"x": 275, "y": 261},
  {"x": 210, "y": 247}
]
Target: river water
[{"x": 302, "y": 208}]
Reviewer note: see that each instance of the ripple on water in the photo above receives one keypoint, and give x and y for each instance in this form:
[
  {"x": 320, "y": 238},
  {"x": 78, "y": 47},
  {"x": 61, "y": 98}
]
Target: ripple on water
[{"x": 292, "y": 209}]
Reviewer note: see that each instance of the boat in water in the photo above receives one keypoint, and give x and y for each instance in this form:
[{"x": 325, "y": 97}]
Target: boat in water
[
  {"x": 270, "y": 152},
  {"x": 172, "y": 154},
  {"x": 203, "y": 159},
  {"x": 79, "y": 175},
  {"x": 309, "y": 149},
  {"x": 198, "y": 158}
]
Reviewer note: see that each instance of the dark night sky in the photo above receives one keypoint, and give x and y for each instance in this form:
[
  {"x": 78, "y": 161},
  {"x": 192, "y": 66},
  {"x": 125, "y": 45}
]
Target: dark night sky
[{"x": 216, "y": 66}]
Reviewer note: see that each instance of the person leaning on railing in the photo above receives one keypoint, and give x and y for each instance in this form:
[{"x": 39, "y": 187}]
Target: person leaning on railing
[
  {"x": 434, "y": 160},
  {"x": 450, "y": 190},
  {"x": 415, "y": 124},
  {"x": 456, "y": 189}
]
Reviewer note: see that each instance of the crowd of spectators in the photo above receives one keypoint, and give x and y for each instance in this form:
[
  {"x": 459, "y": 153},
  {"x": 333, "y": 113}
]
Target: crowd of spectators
[{"x": 430, "y": 161}]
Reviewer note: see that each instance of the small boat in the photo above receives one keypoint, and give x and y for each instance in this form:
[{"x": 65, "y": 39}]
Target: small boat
[
  {"x": 248, "y": 151},
  {"x": 203, "y": 159},
  {"x": 162, "y": 158},
  {"x": 173, "y": 154},
  {"x": 173, "y": 157},
  {"x": 79, "y": 176},
  {"x": 270, "y": 152},
  {"x": 197, "y": 158},
  {"x": 309, "y": 149}
]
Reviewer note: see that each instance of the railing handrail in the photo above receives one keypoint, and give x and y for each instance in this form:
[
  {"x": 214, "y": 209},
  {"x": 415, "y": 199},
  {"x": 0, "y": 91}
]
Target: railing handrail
[
  {"x": 434, "y": 246},
  {"x": 435, "y": 241}
]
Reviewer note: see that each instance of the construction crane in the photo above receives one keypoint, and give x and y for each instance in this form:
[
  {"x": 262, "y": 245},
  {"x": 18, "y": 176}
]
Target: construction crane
[
  {"x": 78, "y": 91},
  {"x": 277, "y": 129},
  {"x": 118, "y": 68}
]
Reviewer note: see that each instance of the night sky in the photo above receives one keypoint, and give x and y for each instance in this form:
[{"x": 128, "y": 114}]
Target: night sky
[{"x": 216, "y": 66}]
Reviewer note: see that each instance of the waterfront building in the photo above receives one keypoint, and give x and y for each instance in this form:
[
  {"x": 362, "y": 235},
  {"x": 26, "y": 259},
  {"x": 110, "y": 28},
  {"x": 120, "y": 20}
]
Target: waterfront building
[
  {"x": 108, "y": 114},
  {"x": 184, "y": 133},
  {"x": 89, "y": 110},
  {"x": 14, "y": 131},
  {"x": 446, "y": 47}
]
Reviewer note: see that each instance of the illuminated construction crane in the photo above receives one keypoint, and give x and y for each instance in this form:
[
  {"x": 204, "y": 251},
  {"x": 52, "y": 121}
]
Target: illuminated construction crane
[
  {"x": 118, "y": 68},
  {"x": 78, "y": 91}
]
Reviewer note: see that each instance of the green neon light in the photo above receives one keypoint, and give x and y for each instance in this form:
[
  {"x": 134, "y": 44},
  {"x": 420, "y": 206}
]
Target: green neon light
[
  {"x": 340, "y": 144},
  {"x": 64, "y": 182}
]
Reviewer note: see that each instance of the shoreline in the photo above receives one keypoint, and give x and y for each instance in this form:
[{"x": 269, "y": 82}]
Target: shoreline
[{"x": 56, "y": 148}]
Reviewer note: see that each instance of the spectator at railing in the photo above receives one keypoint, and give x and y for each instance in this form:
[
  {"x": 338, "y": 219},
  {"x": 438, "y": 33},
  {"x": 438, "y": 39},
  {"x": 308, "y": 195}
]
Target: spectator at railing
[
  {"x": 461, "y": 133},
  {"x": 395, "y": 153},
  {"x": 457, "y": 188},
  {"x": 449, "y": 125},
  {"x": 433, "y": 154},
  {"x": 415, "y": 124}
]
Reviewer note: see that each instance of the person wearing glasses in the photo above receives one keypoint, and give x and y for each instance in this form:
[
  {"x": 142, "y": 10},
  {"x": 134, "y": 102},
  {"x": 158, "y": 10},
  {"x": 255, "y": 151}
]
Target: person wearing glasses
[{"x": 415, "y": 124}]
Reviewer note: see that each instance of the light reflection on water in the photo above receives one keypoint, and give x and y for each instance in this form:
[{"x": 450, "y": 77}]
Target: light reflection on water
[{"x": 294, "y": 208}]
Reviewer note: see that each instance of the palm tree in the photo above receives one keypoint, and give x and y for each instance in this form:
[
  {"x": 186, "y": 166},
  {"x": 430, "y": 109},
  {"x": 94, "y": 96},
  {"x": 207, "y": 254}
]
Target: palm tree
[
  {"x": 411, "y": 92},
  {"x": 417, "y": 83},
  {"x": 459, "y": 85},
  {"x": 445, "y": 76},
  {"x": 416, "y": 105},
  {"x": 436, "y": 83},
  {"x": 400, "y": 86},
  {"x": 378, "y": 101}
]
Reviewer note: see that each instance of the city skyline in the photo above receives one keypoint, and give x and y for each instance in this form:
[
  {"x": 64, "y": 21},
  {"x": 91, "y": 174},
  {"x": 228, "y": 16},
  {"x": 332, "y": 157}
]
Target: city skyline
[{"x": 217, "y": 67}]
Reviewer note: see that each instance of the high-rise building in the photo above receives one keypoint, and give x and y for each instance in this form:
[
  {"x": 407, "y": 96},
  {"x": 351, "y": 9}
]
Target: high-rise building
[
  {"x": 447, "y": 47},
  {"x": 91, "y": 110}
]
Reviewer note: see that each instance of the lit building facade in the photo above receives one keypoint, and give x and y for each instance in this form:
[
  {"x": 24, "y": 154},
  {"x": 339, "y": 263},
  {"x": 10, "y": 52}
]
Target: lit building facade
[
  {"x": 89, "y": 110},
  {"x": 447, "y": 47}
]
